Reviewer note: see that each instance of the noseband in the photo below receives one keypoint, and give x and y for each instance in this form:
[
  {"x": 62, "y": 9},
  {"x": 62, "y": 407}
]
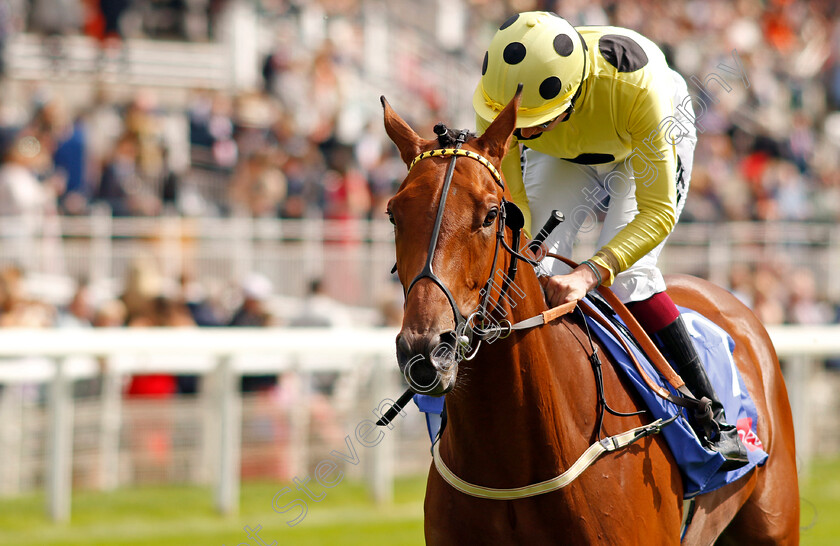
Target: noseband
[{"x": 476, "y": 320}]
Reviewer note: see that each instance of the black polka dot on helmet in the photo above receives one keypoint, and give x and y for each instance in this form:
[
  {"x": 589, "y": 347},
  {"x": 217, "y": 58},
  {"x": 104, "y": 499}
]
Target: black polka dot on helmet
[
  {"x": 564, "y": 45},
  {"x": 514, "y": 53},
  {"x": 510, "y": 20},
  {"x": 550, "y": 87}
]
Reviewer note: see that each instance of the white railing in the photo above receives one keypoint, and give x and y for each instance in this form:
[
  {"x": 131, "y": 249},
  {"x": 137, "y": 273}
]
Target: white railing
[
  {"x": 221, "y": 356},
  {"x": 101, "y": 249},
  {"x": 56, "y": 357},
  {"x": 292, "y": 252}
]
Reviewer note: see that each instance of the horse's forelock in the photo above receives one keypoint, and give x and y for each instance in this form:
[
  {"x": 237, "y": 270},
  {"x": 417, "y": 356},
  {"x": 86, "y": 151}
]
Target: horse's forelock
[{"x": 447, "y": 137}]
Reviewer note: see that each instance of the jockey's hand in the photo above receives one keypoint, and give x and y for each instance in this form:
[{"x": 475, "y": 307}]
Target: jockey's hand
[{"x": 560, "y": 289}]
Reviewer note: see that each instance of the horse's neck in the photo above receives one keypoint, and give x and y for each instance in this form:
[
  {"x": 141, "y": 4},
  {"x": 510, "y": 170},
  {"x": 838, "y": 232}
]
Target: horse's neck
[{"x": 525, "y": 403}]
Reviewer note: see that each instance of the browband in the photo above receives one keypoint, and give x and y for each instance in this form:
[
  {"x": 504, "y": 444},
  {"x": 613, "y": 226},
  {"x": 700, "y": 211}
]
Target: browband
[{"x": 446, "y": 152}]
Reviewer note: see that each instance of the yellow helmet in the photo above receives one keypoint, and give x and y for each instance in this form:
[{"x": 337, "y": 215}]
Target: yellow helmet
[{"x": 543, "y": 52}]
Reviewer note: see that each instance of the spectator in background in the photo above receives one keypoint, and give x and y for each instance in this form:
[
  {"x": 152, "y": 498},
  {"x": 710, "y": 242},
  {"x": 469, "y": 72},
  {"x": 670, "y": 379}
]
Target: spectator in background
[
  {"x": 27, "y": 203},
  {"x": 70, "y": 158},
  {"x": 258, "y": 186},
  {"x": 201, "y": 308},
  {"x": 119, "y": 184},
  {"x": 305, "y": 170},
  {"x": 79, "y": 312},
  {"x": 155, "y": 440},
  {"x": 769, "y": 294},
  {"x": 274, "y": 65},
  {"x": 319, "y": 310},
  {"x": 212, "y": 146},
  {"x": 112, "y": 13},
  {"x": 143, "y": 282},
  {"x": 112, "y": 43},
  {"x": 65, "y": 140},
  {"x": 171, "y": 186},
  {"x": 804, "y": 305},
  {"x": 102, "y": 118},
  {"x": 16, "y": 309},
  {"x": 347, "y": 195},
  {"x": 21, "y": 193},
  {"x": 163, "y": 312},
  {"x": 122, "y": 185},
  {"x": 253, "y": 312},
  {"x": 110, "y": 314}
]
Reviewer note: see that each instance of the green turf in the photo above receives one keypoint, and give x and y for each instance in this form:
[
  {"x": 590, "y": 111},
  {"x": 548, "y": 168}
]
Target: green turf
[
  {"x": 170, "y": 516},
  {"x": 820, "y": 501}
]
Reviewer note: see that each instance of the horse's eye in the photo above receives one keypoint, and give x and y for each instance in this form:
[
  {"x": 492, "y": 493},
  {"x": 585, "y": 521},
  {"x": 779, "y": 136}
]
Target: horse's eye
[
  {"x": 390, "y": 216},
  {"x": 491, "y": 216}
]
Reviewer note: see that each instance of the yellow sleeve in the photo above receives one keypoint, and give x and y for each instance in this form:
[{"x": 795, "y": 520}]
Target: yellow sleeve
[
  {"x": 653, "y": 163},
  {"x": 512, "y": 173}
]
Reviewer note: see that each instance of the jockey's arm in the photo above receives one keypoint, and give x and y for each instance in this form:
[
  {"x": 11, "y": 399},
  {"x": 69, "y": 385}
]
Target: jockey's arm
[
  {"x": 512, "y": 173},
  {"x": 653, "y": 163}
]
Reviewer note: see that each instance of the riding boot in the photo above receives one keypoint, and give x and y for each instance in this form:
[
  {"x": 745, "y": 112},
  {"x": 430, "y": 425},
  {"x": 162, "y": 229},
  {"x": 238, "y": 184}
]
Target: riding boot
[{"x": 711, "y": 426}]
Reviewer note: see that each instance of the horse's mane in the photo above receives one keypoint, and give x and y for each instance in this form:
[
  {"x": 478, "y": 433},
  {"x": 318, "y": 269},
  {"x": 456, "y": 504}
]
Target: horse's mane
[{"x": 447, "y": 137}]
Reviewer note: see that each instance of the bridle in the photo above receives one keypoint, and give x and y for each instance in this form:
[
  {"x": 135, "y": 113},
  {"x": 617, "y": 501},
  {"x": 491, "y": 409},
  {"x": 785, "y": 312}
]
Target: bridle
[{"x": 509, "y": 215}]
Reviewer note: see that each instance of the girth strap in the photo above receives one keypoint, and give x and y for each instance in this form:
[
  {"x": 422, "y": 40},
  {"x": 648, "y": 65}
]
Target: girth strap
[{"x": 609, "y": 444}]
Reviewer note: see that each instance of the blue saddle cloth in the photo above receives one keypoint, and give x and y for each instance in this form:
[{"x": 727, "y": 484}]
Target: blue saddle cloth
[{"x": 700, "y": 468}]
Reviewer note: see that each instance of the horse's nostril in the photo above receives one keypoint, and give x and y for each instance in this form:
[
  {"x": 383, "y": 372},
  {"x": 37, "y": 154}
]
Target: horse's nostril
[
  {"x": 443, "y": 353},
  {"x": 403, "y": 349},
  {"x": 449, "y": 338}
]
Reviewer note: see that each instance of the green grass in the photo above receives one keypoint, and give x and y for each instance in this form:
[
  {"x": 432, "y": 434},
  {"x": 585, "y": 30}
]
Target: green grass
[
  {"x": 170, "y": 516},
  {"x": 820, "y": 496}
]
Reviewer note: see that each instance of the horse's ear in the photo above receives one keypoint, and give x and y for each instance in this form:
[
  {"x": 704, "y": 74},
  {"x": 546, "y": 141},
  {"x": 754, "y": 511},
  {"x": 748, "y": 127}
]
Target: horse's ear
[
  {"x": 408, "y": 142},
  {"x": 496, "y": 139}
]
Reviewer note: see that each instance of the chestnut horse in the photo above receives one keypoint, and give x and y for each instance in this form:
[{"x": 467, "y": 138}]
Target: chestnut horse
[{"x": 525, "y": 407}]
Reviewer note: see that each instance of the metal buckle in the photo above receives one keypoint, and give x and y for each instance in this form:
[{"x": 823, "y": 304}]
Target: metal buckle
[{"x": 506, "y": 327}]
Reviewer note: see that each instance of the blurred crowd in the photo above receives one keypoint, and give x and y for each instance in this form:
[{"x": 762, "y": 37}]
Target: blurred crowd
[
  {"x": 295, "y": 147},
  {"x": 298, "y": 146}
]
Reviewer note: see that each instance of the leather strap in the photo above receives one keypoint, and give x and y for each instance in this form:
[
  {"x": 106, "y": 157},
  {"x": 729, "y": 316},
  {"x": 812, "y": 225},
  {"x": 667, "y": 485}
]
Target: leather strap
[
  {"x": 650, "y": 349},
  {"x": 655, "y": 387},
  {"x": 609, "y": 444}
]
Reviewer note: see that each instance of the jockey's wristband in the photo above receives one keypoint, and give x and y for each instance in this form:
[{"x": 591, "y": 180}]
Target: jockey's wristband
[{"x": 594, "y": 269}]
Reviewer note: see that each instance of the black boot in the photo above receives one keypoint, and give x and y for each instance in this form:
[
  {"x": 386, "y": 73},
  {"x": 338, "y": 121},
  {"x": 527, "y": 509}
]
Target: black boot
[{"x": 711, "y": 426}]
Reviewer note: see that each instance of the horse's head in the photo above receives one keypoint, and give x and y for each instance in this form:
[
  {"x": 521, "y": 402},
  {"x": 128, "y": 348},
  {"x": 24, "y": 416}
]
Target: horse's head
[{"x": 450, "y": 216}]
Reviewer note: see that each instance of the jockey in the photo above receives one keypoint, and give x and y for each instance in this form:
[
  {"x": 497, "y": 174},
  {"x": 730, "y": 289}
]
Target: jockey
[{"x": 606, "y": 127}]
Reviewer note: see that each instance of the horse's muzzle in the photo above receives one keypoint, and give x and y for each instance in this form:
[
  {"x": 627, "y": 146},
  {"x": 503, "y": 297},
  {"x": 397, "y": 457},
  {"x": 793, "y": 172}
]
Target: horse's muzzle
[{"x": 428, "y": 361}]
